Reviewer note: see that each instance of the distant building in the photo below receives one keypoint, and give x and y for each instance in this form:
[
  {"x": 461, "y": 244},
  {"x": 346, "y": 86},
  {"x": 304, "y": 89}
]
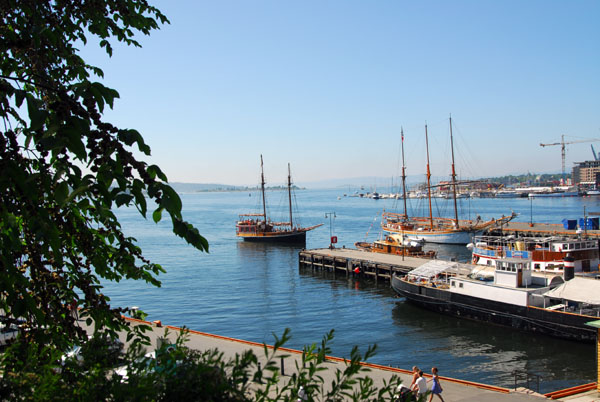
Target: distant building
[{"x": 586, "y": 173}]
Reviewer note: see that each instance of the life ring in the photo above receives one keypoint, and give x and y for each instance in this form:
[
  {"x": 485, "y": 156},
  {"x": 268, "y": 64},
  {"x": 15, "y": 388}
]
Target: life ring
[{"x": 475, "y": 259}]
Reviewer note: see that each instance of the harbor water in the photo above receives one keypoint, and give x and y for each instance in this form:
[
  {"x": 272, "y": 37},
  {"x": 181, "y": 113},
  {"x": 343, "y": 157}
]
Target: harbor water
[{"x": 254, "y": 291}]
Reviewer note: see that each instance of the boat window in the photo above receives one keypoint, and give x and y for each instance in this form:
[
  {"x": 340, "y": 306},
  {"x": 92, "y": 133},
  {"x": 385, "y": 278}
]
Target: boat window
[
  {"x": 536, "y": 266},
  {"x": 571, "y": 246},
  {"x": 577, "y": 246},
  {"x": 453, "y": 283},
  {"x": 460, "y": 285}
]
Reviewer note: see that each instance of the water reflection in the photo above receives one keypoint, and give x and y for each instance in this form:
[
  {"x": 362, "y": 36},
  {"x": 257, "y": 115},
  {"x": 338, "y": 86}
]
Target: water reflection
[
  {"x": 461, "y": 348},
  {"x": 490, "y": 354}
]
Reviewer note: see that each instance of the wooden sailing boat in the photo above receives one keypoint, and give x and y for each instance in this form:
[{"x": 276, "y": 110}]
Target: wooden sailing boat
[
  {"x": 394, "y": 243},
  {"x": 437, "y": 229},
  {"x": 259, "y": 228}
]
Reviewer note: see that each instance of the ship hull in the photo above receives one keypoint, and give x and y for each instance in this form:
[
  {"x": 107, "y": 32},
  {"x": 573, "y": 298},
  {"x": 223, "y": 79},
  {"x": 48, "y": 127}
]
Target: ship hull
[
  {"x": 438, "y": 230},
  {"x": 532, "y": 319},
  {"x": 442, "y": 237},
  {"x": 276, "y": 237}
]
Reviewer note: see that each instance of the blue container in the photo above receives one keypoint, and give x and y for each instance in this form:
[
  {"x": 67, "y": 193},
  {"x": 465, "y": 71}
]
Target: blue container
[
  {"x": 570, "y": 224},
  {"x": 589, "y": 223}
]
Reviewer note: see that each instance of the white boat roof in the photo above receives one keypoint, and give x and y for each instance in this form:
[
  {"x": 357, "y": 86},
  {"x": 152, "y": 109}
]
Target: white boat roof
[
  {"x": 583, "y": 290},
  {"x": 435, "y": 267}
]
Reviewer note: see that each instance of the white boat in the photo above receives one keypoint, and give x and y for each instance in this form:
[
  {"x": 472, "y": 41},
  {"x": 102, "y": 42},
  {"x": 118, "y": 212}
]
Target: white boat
[
  {"x": 437, "y": 229},
  {"x": 509, "y": 294},
  {"x": 554, "y": 192},
  {"x": 549, "y": 254},
  {"x": 507, "y": 194}
]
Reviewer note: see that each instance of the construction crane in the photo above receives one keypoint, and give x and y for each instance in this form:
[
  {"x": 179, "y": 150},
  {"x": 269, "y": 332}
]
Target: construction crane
[{"x": 563, "y": 148}]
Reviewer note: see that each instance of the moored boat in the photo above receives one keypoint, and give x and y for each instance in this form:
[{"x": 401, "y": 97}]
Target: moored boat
[
  {"x": 554, "y": 193},
  {"x": 547, "y": 254},
  {"x": 512, "y": 296},
  {"x": 437, "y": 229},
  {"x": 395, "y": 244},
  {"x": 440, "y": 230},
  {"x": 258, "y": 227}
]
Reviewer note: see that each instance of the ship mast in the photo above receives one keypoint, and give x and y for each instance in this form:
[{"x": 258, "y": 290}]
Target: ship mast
[
  {"x": 290, "y": 194},
  {"x": 403, "y": 174},
  {"x": 262, "y": 189},
  {"x": 453, "y": 176},
  {"x": 428, "y": 180}
]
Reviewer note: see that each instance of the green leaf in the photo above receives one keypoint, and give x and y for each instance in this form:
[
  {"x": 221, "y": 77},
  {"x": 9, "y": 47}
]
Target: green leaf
[
  {"x": 131, "y": 137},
  {"x": 97, "y": 96},
  {"x": 19, "y": 96},
  {"x": 123, "y": 199},
  {"x": 157, "y": 215},
  {"x": 75, "y": 129},
  {"x": 171, "y": 201},
  {"x": 154, "y": 171},
  {"x": 37, "y": 115},
  {"x": 61, "y": 193}
]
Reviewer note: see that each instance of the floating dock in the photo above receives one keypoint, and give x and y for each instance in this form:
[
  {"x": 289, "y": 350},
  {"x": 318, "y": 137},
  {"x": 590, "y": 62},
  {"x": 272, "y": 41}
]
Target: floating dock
[{"x": 358, "y": 263}]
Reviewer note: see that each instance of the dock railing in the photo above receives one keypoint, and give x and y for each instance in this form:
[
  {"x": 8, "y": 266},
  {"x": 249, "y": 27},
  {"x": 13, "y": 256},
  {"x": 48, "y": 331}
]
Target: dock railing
[{"x": 519, "y": 375}]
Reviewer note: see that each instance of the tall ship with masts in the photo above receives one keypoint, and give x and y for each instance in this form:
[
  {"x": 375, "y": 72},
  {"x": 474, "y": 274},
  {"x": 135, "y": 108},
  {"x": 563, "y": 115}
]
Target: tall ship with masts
[
  {"x": 258, "y": 227},
  {"x": 436, "y": 229}
]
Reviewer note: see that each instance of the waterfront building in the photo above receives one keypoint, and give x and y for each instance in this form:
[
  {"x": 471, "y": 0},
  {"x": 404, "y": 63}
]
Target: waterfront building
[{"x": 586, "y": 174}]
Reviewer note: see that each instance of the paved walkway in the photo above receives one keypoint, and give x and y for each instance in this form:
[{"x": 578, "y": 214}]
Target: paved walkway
[{"x": 454, "y": 390}]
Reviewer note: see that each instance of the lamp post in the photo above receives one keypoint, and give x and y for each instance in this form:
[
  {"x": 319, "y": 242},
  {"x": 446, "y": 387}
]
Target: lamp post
[
  {"x": 530, "y": 211},
  {"x": 331, "y": 216}
]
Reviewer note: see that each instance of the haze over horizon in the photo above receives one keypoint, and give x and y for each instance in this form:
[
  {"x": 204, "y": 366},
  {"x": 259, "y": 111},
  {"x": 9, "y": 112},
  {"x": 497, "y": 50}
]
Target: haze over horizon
[{"x": 327, "y": 87}]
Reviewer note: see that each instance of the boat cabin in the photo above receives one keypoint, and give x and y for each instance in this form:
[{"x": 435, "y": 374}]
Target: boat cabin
[
  {"x": 513, "y": 272},
  {"x": 546, "y": 254}
]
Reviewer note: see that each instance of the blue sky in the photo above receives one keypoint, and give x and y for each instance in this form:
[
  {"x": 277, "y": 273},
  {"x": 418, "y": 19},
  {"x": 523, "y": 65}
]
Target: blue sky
[{"x": 327, "y": 85}]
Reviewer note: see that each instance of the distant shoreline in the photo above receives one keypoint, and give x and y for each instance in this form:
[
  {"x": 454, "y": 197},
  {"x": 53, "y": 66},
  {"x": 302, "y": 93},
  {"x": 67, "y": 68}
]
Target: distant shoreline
[{"x": 225, "y": 189}]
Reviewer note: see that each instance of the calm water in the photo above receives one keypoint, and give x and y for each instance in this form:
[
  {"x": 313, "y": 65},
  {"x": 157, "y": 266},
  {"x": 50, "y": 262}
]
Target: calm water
[{"x": 251, "y": 291}]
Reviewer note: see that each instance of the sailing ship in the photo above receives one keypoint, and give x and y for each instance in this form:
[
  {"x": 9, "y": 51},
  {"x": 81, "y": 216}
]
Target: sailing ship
[
  {"x": 257, "y": 227},
  {"x": 437, "y": 229}
]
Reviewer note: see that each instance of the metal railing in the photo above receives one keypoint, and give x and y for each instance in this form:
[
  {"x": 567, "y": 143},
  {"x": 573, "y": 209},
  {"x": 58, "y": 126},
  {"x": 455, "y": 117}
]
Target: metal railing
[{"x": 522, "y": 374}]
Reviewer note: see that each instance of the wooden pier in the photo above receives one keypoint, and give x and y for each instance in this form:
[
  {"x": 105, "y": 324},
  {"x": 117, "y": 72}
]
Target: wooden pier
[{"x": 358, "y": 263}]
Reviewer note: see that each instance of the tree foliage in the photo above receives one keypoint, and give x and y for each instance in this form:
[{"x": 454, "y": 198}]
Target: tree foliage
[
  {"x": 65, "y": 169},
  {"x": 172, "y": 372}
]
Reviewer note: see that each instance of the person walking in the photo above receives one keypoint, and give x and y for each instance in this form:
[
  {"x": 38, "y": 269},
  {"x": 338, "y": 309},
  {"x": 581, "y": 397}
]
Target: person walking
[
  {"x": 415, "y": 377},
  {"x": 436, "y": 388},
  {"x": 420, "y": 386}
]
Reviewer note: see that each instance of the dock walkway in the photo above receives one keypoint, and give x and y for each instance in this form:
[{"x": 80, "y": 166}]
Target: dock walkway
[
  {"x": 350, "y": 262},
  {"x": 454, "y": 390},
  {"x": 540, "y": 229}
]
